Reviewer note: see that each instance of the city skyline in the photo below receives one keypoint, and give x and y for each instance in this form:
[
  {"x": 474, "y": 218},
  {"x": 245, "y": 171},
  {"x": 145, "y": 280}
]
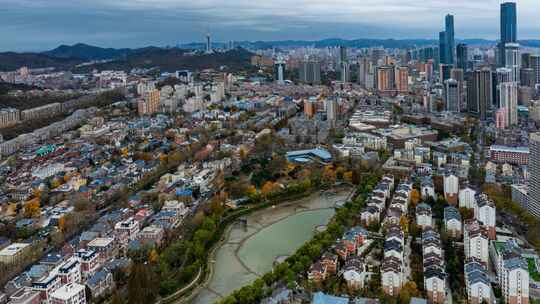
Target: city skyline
[{"x": 40, "y": 25}]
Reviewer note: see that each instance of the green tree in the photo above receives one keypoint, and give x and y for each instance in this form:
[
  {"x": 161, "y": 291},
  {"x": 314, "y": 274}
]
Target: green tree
[{"x": 142, "y": 284}]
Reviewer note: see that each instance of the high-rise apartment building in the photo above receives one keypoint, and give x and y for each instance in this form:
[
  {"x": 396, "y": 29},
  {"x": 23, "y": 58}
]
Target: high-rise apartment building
[
  {"x": 332, "y": 110},
  {"x": 310, "y": 72},
  {"x": 535, "y": 65},
  {"x": 385, "y": 78},
  {"x": 345, "y": 72},
  {"x": 402, "y": 79},
  {"x": 509, "y": 99},
  {"x": 363, "y": 69},
  {"x": 534, "y": 174}
]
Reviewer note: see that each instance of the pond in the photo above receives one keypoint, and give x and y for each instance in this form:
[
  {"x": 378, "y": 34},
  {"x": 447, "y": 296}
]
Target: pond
[{"x": 249, "y": 251}]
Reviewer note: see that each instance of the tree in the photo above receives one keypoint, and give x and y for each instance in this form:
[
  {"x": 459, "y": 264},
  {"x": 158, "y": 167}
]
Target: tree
[
  {"x": 408, "y": 291},
  {"x": 142, "y": 284},
  {"x": 153, "y": 256},
  {"x": 116, "y": 299},
  {"x": 268, "y": 188},
  {"x": 415, "y": 197},
  {"x": 348, "y": 176},
  {"x": 62, "y": 224},
  {"x": 404, "y": 223},
  {"x": 32, "y": 208},
  {"x": 329, "y": 175},
  {"x": 277, "y": 165},
  {"x": 251, "y": 191}
]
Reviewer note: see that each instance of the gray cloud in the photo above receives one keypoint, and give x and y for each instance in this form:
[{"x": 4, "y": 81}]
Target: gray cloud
[{"x": 43, "y": 24}]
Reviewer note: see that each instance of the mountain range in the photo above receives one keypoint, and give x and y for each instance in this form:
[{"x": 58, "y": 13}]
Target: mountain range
[
  {"x": 167, "y": 59},
  {"x": 69, "y": 57}
]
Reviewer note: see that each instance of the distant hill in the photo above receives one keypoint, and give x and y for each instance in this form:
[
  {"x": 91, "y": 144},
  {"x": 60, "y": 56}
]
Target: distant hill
[
  {"x": 176, "y": 59},
  {"x": 167, "y": 59},
  {"x": 10, "y": 61},
  {"x": 87, "y": 52}
]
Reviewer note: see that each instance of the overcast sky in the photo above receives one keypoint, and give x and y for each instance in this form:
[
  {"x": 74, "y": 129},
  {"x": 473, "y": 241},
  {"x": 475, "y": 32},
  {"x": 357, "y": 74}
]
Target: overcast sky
[{"x": 29, "y": 25}]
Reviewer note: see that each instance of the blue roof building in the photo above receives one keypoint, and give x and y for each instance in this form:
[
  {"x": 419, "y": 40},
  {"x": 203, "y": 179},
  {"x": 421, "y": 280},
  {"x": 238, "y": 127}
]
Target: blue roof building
[
  {"x": 321, "y": 298},
  {"x": 306, "y": 156}
]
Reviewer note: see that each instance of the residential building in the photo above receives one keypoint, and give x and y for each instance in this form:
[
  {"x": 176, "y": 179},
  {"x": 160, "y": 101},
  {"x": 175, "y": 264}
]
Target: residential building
[
  {"x": 423, "y": 216},
  {"x": 69, "y": 294},
  {"x": 476, "y": 241},
  {"x": 391, "y": 276},
  {"x": 427, "y": 188},
  {"x": 477, "y": 283},
  {"x": 509, "y": 155},
  {"x": 129, "y": 226},
  {"x": 467, "y": 198},
  {"x": 25, "y": 296},
  {"x": 13, "y": 253},
  {"x": 452, "y": 221},
  {"x": 9, "y": 117},
  {"x": 534, "y": 173},
  {"x": 451, "y": 187},
  {"x": 485, "y": 213},
  {"x": 515, "y": 281},
  {"x": 46, "y": 286}
]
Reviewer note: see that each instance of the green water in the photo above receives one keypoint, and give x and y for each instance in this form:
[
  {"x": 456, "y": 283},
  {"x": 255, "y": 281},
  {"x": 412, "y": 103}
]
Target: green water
[{"x": 250, "y": 252}]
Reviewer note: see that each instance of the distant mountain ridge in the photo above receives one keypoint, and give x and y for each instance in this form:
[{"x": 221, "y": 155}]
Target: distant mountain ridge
[
  {"x": 87, "y": 52},
  {"x": 166, "y": 59},
  {"x": 69, "y": 56}
]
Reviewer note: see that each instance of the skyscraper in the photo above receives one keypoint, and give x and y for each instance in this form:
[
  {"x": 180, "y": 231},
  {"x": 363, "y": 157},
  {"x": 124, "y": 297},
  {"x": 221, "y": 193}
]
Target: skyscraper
[
  {"x": 534, "y": 171},
  {"x": 508, "y": 28},
  {"x": 445, "y": 72},
  {"x": 525, "y": 60},
  {"x": 458, "y": 75},
  {"x": 452, "y": 95},
  {"x": 512, "y": 59},
  {"x": 310, "y": 72},
  {"x": 535, "y": 65},
  {"x": 508, "y": 22},
  {"x": 385, "y": 78},
  {"x": 402, "y": 79},
  {"x": 509, "y": 100},
  {"x": 501, "y": 75},
  {"x": 442, "y": 48},
  {"x": 332, "y": 110},
  {"x": 343, "y": 54},
  {"x": 479, "y": 92},
  {"x": 462, "y": 56},
  {"x": 450, "y": 38},
  {"x": 345, "y": 72},
  {"x": 527, "y": 77},
  {"x": 363, "y": 69}
]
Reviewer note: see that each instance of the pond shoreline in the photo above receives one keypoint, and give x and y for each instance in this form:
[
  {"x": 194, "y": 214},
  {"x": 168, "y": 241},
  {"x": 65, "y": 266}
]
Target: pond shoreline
[{"x": 281, "y": 212}]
